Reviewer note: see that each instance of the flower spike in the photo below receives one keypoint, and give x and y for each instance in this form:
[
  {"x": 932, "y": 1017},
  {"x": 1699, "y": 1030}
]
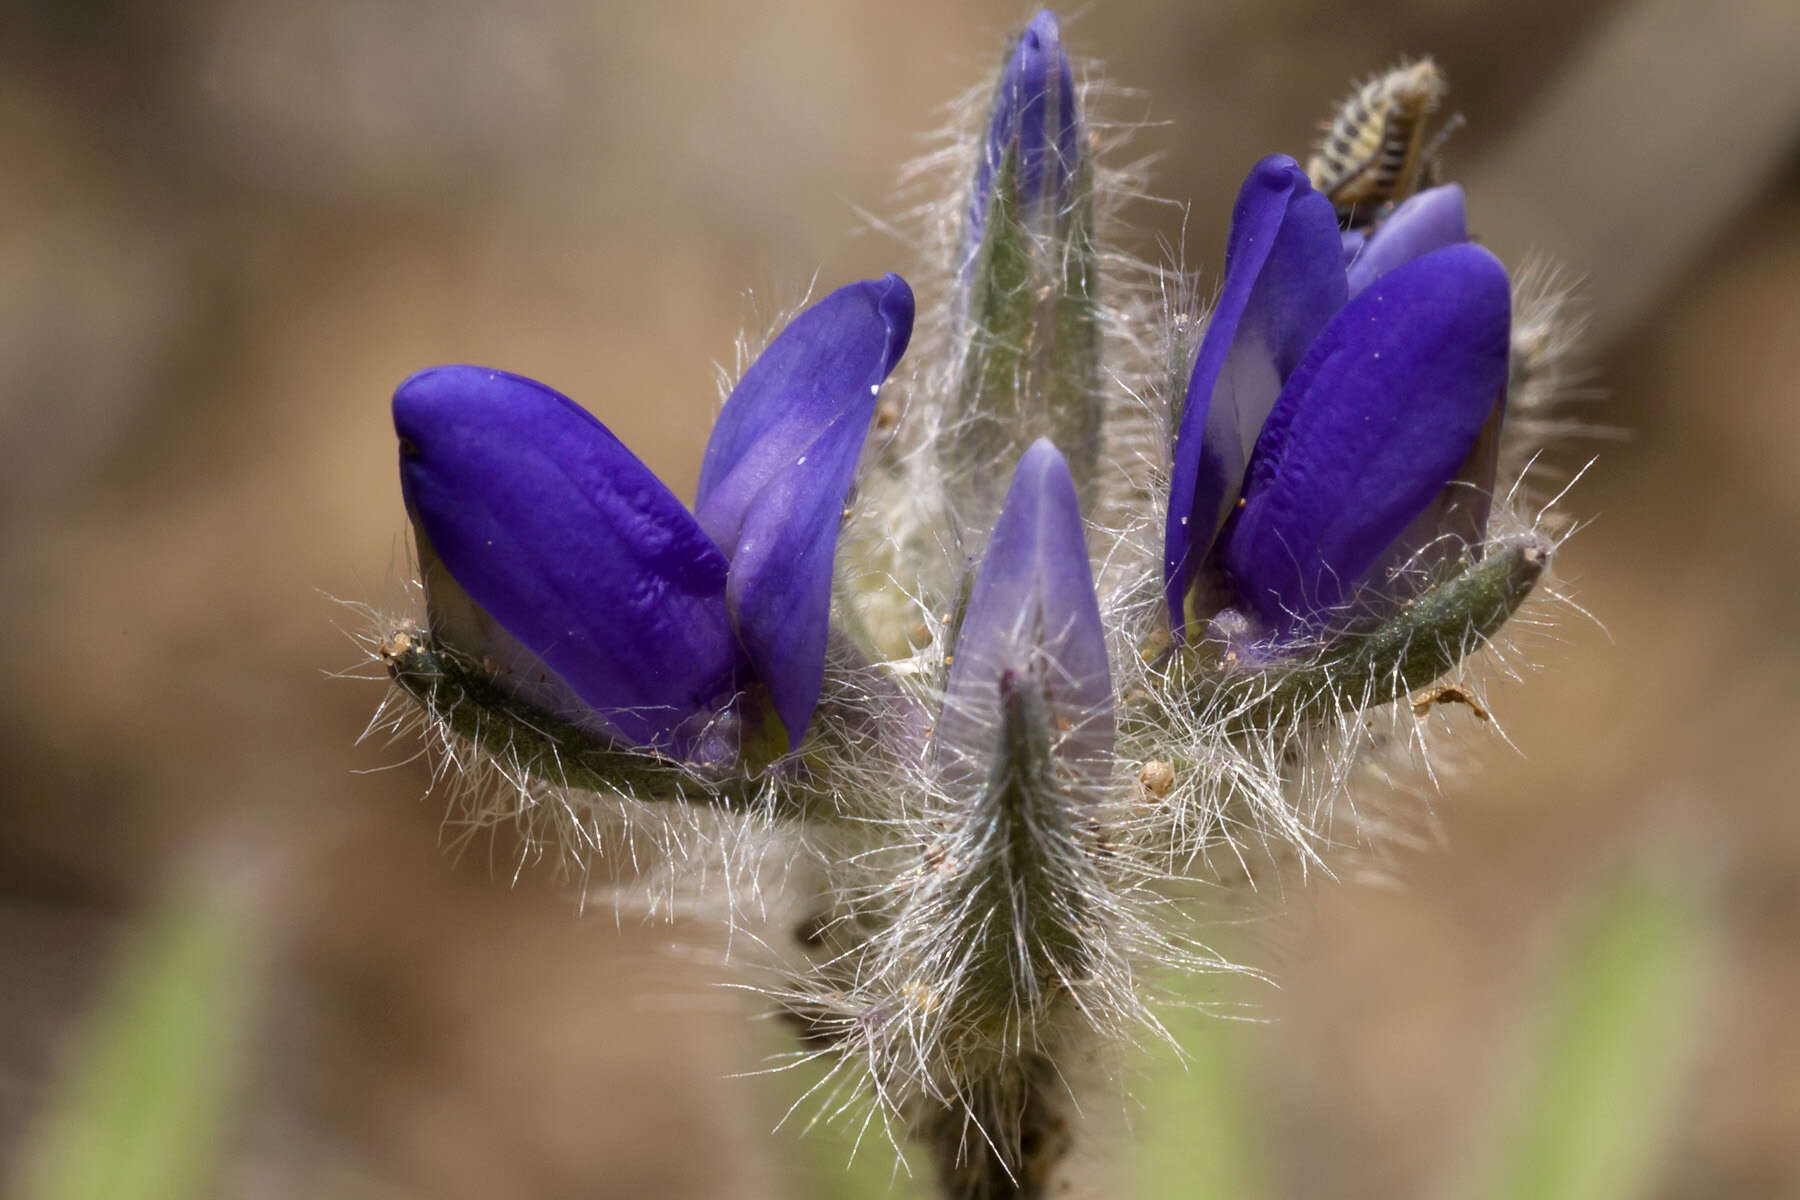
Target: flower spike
[{"x": 908, "y": 735}]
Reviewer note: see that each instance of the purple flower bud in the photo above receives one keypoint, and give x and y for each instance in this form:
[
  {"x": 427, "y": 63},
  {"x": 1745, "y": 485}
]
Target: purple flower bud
[
  {"x": 565, "y": 550},
  {"x": 1350, "y": 437},
  {"x": 1032, "y": 621},
  {"x": 1369, "y": 429},
  {"x": 1034, "y": 117},
  {"x": 560, "y": 534},
  {"x": 1284, "y": 279},
  {"x": 1429, "y": 221}
]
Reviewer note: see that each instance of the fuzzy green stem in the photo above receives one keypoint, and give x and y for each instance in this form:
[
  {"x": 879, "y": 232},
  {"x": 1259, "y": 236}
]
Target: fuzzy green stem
[
  {"x": 1021, "y": 901},
  {"x": 468, "y": 702},
  {"x": 1407, "y": 651},
  {"x": 1007, "y": 1140}
]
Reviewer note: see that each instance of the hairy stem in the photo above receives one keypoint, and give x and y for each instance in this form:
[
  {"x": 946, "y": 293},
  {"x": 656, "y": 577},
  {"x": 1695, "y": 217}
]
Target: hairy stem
[
  {"x": 468, "y": 702},
  {"x": 1407, "y": 651},
  {"x": 1006, "y": 1139}
]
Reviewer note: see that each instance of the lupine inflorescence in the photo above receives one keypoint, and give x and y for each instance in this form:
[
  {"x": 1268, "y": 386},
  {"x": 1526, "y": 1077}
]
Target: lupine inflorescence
[{"x": 992, "y": 661}]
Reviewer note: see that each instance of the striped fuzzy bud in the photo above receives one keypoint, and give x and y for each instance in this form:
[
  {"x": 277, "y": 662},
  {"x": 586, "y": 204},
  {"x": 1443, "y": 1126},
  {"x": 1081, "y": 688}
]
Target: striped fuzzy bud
[{"x": 1025, "y": 314}]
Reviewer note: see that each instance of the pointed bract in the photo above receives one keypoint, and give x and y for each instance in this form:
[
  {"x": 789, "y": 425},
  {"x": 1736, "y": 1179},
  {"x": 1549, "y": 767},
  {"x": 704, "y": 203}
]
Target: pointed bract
[
  {"x": 1032, "y": 615},
  {"x": 564, "y": 537},
  {"x": 1371, "y": 426},
  {"x": 1284, "y": 279}
]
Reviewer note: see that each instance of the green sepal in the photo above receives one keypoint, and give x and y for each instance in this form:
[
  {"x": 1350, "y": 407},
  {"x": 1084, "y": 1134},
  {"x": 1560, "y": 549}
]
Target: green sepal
[
  {"x": 1019, "y": 892},
  {"x": 469, "y": 702},
  {"x": 1029, "y": 333},
  {"x": 1407, "y": 651}
]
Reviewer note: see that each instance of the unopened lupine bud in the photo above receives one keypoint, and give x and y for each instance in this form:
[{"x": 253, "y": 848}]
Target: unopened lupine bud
[
  {"x": 1324, "y": 438},
  {"x": 553, "y": 552},
  {"x": 1024, "y": 744},
  {"x": 1034, "y": 130},
  {"x": 1032, "y": 615},
  {"x": 1025, "y": 309}
]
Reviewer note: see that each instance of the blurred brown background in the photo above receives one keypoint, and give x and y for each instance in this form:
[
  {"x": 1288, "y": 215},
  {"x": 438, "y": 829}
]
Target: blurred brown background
[{"x": 228, "y": 228}]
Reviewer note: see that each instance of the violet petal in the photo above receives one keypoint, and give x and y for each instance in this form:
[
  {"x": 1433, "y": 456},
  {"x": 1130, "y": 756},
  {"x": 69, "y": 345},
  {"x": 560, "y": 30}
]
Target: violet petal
[
  {"x": 1373, "y": 423},
  {"x": 830, "y": 358},
  {"x": 1284, "y": 279},
  {"x": 553, "y": 527},
  {"x": 1032, "y": 614},
  {"x": 778, "y": 470},
  {"x": 779, "y": 583},
  {"x": 1429, "y": 221}
]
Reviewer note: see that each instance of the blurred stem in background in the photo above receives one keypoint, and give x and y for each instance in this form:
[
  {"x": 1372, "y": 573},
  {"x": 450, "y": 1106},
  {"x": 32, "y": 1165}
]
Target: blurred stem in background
[
  {"x": 1588, "y": 1113},
  {"x": 143, "y": 1112},
  {"x": 1198, "y": 1134},
  {"x": 1584, "y": 1116},
  {"x": 142, "y": 1109}
]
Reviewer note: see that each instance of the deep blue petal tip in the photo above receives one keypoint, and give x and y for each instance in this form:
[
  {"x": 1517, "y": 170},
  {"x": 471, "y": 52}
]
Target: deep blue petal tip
[
  {"x": 895, "y": 304},
  {"x": 1042, "y": 31},
  {"x": 1277, "y": 173},
  {"x": 429, "y": 395}
]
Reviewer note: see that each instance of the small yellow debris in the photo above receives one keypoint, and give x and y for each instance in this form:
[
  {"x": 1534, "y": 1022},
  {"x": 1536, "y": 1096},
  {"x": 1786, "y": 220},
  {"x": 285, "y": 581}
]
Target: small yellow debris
[
  {"x": 919, "y": 996},
  {"x": 395, "y": 645},
  {"x": 1157, "y": 778},
  {"x": 1448, "y": 693}
]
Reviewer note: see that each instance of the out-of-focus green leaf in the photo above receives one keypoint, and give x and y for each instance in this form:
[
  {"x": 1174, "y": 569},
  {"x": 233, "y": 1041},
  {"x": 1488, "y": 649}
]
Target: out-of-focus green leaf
[
  {"x": 1199, "y": 1134},
  {"x": 1597, "y": 1089},
  {"x": 828, "y": 1151},
  {"x": 140, "y": 1113}
]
